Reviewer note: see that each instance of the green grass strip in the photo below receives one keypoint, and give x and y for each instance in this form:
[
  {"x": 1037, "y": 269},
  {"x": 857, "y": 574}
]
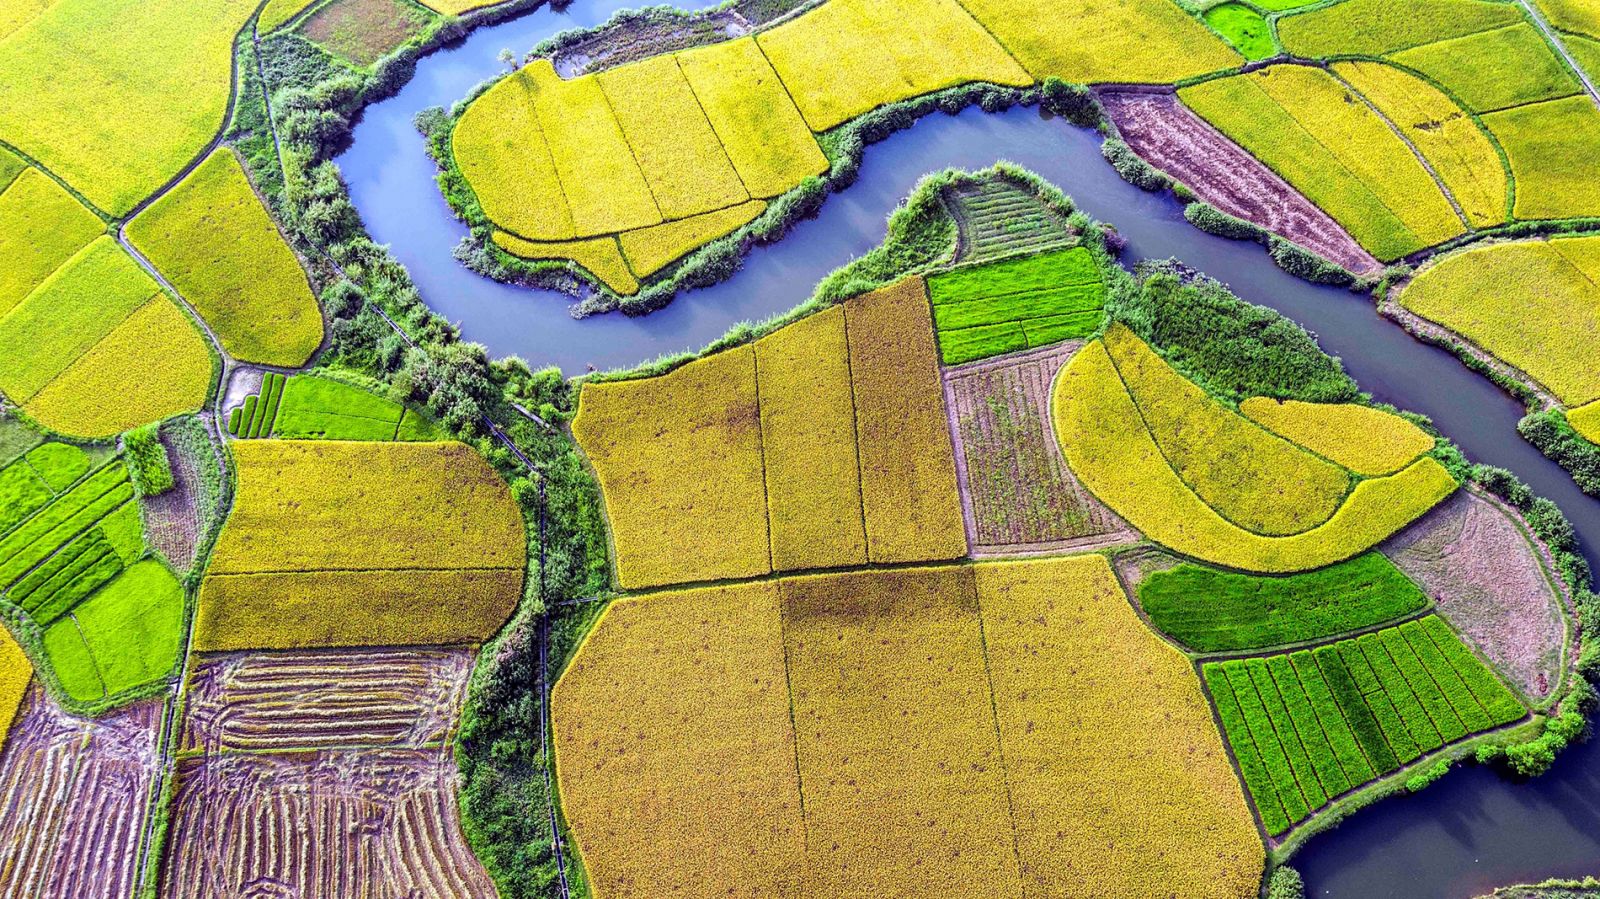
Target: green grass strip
[
  {"x": 1496, "y": 698},
  {"x": 1052, "y": 301},
  {"x": 70, "y": 587},
  {"x": 1323, "y": 761},
  {"x": 275, "y": 381},
  {"x": 1251, "y": 766},
  {"x": 1220, "y": 611},
  {"x": 1017, "y": 275},
  {"x": 1352, "y": 762},
  {"x": 1042, "y": 331},
  {"x": 1472, "y": 715},
  {"x": 970, "y": 344},
  {"x": 1266, "y": 739},
  {"x": 247, "y": 425},
  {"x": 1305, "y": 773},
  {"x": 1444, "y": 718},
  {"x": 90, "y": 544},
  {"x": 1355, "y": 661},
  {"x": 1372, "y": 747},
  {"x": 234, "y": 416},
  {"x": 1395, "y": 686}
]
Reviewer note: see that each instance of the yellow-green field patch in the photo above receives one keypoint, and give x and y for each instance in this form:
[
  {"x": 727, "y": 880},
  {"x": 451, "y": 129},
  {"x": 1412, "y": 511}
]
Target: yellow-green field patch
[
  {"x": 501, "y": 150},
  {"x": 117, "y": 96},
  {"x": 908, "y": 472},
  {"x": 1459, "y": 150},
  {"x": 679, "y": 461},
  {"x": 1367, "y": 441},
  {"x": 374, "y": 542},
  {"x": 682, "y": 160},
  {"x": 754, "y": 117},
  {"x": 41, "y": 227},
  {"x": 847, "y": 57},
  {"x": 1542, "y": 313},
  {"x": 648, "y": 250},
  {"x": 599, "y": 256},
  {"x": 808, "y": 444},
  {"x": 211, "y": 237},
  {"x": 1494, "y": 69},
  {"x": 1092, "y": 41},
  {"x": 1378, "y": 27},
  {"x": 605, "y": 189},
  {"x": 1551, "y": 148}
]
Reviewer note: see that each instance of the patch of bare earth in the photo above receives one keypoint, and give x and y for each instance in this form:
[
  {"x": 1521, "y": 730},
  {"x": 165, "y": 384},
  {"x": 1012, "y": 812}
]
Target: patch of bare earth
[
  {"x": 75, "y": 792},
  {"x": 1017, "y": 494},
  {"x": 322, "y": 775},
  {"x": 363, "y": 31},
  {"x": 630, "y": 41},
  {"x": 1168, "y": 136},
  {"x": 174, "y": 521},
  {"x": 1137, "y": 564},
  {"x": 1476, "y": 561}
]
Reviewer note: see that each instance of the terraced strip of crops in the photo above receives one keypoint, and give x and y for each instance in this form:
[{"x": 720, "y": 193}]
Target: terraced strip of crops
[
  {"x": 823, "y": 444},
  {"x": 75, "y": 790},
  {"x": 1017, "y": 493},
  {"x": 1310, "y": 726},
  {"x": 1020, "y": 303},
  {"x": 997, "y": 218},
  {"x": 275, "y": 702},
  {"x": 317, "y": 407},
  {"x": 347, "y": 750}
]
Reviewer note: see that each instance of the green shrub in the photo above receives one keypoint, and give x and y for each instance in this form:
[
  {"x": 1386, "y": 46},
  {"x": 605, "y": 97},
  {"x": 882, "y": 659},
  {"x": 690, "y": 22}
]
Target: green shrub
[
  {"x": 1212, "y": 220},
  {"x": 1428, "y": 775},
  {"x": 146, "y": 458},
  {"x": 1132, "y": 167},
  {"x": 1286, "y": 883}
]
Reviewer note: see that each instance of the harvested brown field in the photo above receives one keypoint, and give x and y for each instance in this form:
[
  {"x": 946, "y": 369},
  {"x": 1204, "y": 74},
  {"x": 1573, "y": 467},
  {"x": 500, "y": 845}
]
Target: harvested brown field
[
  {"x": 321, "y": 775},
  {"x": 271, "y": 702},
  {"x": 1475, "y": 560},
  {"x": 1016, "y": 490},
  {"x": 1170, "y": 137},
  {"x": 175, "y": 521},
  {"x": 319, "y": 825},
  {"x": 75, "y": 793}
]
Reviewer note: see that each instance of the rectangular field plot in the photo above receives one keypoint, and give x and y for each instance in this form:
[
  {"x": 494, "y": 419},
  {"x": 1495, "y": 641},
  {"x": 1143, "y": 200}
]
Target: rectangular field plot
[
  {"x": 998, "y": 218},
  {"x": 273, "y": 702},
  {"x": 328, "y": 774},
  {"x": 1311, "y": 725},
  {"x": 1008, "y": 729},
  {"x": 832, "y": 428},
  {"x": 76, "y": 793},
  {"x": 1017, "y": 492},
  {"x": 986, "y": 310},
  {"x": 368, "y": 543}
]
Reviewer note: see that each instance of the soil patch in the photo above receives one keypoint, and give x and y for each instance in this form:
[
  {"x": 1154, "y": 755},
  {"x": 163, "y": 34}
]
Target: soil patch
[
  {"x": 364, "y": 31},
  {"x": 1475, "y": 560}
]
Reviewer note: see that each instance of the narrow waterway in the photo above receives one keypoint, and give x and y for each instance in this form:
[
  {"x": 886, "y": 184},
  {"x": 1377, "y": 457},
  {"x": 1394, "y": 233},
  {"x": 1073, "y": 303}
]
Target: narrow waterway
[{"x": 1472, "y": 831}]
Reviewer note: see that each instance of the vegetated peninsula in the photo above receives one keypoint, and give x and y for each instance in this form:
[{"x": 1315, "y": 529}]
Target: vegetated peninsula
[{"x": 1004, "y": 565}]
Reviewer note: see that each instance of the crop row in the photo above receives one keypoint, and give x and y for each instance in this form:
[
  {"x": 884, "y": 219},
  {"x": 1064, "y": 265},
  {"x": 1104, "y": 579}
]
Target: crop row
[
  {"x": 1309, "y": 726},
  {"x": 1019, "y": 303}
]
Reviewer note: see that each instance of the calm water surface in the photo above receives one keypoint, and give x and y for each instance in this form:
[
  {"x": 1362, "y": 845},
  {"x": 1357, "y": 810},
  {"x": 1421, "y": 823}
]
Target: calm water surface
[{"x": 1472, "y": 831}]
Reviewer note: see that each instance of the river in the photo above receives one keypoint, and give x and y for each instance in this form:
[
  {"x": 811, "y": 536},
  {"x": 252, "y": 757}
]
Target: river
[{"x": 1473, "y": 830}]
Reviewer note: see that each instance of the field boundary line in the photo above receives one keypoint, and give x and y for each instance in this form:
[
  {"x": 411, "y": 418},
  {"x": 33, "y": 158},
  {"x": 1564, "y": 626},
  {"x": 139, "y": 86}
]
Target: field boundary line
[
  {"x": 970, "y": 581},
  {"x": 794, "y": 726},
  {"x": 700, "y": 105},
  {"x": 1415, "y": 151},
  {"x": 373, "y": 570}
]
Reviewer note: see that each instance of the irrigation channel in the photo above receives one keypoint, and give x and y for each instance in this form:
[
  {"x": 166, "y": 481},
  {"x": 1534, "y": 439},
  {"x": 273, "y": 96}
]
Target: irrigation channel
[{"x": 1473, "y": 830}]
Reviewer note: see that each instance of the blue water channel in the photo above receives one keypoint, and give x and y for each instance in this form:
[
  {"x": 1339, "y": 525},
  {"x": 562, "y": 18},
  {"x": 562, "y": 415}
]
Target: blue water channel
[{"x": 1474, "y": 830}]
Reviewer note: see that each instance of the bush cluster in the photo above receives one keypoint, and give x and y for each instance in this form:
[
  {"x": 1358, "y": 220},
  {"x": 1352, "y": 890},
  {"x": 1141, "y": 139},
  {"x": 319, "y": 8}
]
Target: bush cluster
[
  {"x": 146, "y": 458},
  {"x": 1550, "y": 433}
]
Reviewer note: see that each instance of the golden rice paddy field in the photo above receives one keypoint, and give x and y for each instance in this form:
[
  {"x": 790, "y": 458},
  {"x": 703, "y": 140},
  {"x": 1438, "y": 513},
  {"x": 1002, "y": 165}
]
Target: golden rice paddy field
[
  {"x": 823, "y": 444},
  {"x": 836, "y": 734}
]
